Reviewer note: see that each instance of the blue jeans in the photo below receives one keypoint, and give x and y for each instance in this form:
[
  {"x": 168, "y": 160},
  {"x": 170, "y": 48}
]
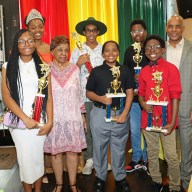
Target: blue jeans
[{"x": 135, "y": 127}]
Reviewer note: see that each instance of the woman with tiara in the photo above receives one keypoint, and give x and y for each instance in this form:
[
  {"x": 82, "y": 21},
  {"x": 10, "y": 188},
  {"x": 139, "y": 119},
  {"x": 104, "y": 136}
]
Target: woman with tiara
[{"x": 35, "y": 22}]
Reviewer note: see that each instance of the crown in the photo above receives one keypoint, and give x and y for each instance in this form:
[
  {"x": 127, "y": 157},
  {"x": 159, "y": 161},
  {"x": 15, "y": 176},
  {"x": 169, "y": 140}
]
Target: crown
[{"x": 34, "y": 14}]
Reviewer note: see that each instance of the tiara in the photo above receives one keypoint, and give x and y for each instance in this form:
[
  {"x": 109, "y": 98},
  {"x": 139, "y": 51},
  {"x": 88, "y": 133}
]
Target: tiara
[{"x": 34, "y": 14}]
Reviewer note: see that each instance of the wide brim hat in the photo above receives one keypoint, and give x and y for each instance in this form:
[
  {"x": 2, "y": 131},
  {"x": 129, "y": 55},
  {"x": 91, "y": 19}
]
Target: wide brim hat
[{"x": 80, "y": 27}]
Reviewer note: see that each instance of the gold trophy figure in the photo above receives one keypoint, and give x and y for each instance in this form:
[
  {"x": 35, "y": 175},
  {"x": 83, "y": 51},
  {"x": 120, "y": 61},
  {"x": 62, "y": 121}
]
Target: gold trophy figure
[
  {"x": 39, "y": 97},
  {"x": 115, "y": 84},
  {"x": 157, "y": 90},
  {"x": 137, "y": 57},
  {"x": 88, "y": 65}
]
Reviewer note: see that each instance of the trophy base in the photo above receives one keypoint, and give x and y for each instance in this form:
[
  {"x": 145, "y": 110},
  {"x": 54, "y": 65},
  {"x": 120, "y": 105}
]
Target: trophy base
[
  {"x": 108, "y": 120},
  {"x": 41, "y": 124},
  {"x": 112, "y": 95},
  {"x": 160, "y": 103},
  {"x": 156, "y": 129}
]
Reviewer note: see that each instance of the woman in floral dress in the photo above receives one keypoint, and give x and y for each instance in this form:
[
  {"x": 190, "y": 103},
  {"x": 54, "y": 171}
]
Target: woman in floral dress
[{"x": 67, "y": 135}]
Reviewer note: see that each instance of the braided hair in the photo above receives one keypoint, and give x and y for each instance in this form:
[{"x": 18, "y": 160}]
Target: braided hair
[{"x": 13, "y": 77}]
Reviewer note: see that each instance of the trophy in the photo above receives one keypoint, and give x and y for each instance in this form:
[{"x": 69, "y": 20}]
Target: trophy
[
  {"x": 75, "y": 36},
  {"x": 115, "y": 85},
  {"x": 137, "y": 57},
  {"x": 39, "y": 97},
  {"x": 156, "y": 122}
]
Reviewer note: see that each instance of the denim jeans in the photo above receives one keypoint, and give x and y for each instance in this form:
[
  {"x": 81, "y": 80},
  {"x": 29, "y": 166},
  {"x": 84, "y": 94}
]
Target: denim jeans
[{"x": 135, "y": 127}]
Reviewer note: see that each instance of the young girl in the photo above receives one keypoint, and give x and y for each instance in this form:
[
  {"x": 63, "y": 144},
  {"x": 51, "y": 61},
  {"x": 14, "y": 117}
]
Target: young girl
[{"x": 19, "y": 86}]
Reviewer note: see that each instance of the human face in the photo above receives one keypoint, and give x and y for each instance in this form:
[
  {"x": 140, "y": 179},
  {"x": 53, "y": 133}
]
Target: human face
[
  {"x": 138, "y": 33},
  {"x": 153, "y": 50},
  {"x": 26, "y": 44},
  {"x": 60, "y": 53},
  {"x": 110, "y": 53},
  {"x": 175, "y": 29},
  {"x": 36, "y": 26},
  {"x": 91, "y": 32}
]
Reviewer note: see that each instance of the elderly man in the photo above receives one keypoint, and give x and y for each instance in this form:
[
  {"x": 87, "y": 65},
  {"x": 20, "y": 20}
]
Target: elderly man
[{"x": 179, "y": 53}]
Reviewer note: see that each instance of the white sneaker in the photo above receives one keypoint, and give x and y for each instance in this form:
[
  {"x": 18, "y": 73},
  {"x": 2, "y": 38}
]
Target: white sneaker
[
  {"x": 109, "y": 167},
  {"x": 87, "y": 170}
]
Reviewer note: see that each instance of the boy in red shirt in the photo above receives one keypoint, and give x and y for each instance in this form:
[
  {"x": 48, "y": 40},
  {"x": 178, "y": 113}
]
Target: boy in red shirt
[{"x": 170, "y": 90}]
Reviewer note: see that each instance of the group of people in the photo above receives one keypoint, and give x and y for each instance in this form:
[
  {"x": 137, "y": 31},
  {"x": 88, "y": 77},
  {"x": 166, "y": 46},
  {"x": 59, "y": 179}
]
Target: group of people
[{"x": 75, "y": 104}]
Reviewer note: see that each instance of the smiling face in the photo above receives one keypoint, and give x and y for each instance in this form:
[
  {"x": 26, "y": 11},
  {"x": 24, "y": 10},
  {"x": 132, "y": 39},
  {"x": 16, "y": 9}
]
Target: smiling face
[
  {"x": 153, "y": 50},
  {"x": 110, "y": 53},
  {"x": 26, "y": 45},
  {"x": 175, "y": 29},
  {"x": 36, "y": 26},
  {"x": 60, "y": 53}
]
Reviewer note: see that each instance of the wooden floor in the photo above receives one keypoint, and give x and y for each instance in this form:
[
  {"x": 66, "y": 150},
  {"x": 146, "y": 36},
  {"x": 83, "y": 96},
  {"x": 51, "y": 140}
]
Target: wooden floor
[{"x": 139, "y": 181}]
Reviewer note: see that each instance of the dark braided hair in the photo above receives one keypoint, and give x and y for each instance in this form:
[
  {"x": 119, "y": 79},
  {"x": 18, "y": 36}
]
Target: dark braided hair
[{"x": 13, "y": 78}]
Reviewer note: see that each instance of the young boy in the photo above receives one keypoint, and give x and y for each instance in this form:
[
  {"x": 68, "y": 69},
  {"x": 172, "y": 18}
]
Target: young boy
[
  {"x": 138, "y": 32},
  {"x": 113, "y": 133},
  {"x": 170, "y": 90}
]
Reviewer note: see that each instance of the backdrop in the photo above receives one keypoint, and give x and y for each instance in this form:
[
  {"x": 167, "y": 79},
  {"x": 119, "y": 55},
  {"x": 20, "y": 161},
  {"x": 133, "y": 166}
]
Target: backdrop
[{"x": 63, "y": 15}]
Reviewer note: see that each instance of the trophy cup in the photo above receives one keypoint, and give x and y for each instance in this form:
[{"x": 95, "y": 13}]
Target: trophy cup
[
  {"x": 115, "y": 85},
  {"x": 137, "y": 59},
  {"x": 154, "y": 119},
  {"x": 88, "y": 65},
  {"x": 39, "y": 97}
]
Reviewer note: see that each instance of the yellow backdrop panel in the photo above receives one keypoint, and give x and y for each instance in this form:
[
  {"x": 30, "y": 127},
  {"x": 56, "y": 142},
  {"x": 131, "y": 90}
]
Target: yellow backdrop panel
[{"x": 102, "y": 10}]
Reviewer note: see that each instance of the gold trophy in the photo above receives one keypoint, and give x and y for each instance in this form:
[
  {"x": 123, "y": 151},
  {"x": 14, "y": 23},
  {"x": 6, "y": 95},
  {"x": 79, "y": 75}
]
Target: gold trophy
[
  {"x": 115, "y": 85},
  {"x": 88, "y": 65},
  {"x": 137, "y": 57},
  {"x": 39, "y": 97},
  {"x": 153, "y": 120}
]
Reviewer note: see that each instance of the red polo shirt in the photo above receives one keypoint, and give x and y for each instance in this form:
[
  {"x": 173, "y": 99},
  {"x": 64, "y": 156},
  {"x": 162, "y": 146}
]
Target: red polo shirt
[{"x": 171, "y": 88}]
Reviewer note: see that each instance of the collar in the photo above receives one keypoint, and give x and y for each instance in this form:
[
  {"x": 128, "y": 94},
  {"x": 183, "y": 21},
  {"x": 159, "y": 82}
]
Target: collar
[
  {"x": 181, "y": 43},
  {"x": 108, "y": 67},
  {"x": 152, "y": 63}
]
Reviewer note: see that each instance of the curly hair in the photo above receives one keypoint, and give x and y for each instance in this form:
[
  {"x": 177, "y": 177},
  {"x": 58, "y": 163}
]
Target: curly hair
[
  {"x": 138, "y": 22},
  {"x": 58, "y": 40},
  {"x": 156, "y": 37},
  {"x": 13, "y": 77}
]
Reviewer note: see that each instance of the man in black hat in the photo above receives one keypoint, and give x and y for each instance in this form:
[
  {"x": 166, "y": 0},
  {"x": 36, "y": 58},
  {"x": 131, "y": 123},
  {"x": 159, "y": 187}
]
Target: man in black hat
[{"x": 87, "y": 58}]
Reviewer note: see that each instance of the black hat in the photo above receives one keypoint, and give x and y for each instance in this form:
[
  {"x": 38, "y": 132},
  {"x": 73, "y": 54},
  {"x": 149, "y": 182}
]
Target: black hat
[{"x": 80, "y": 27}]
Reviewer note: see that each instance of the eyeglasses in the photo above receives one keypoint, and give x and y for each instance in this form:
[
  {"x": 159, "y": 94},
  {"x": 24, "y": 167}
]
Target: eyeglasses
[
  {"x": 23, "y": 42},
  {"x": 152, "y": 47},
  {"x": 140, "y": 32},
  {"x": 95, "y": 30}
]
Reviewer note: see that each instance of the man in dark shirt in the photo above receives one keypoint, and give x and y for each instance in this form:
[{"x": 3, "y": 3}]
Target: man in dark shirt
[
  {"x": 113, "y": 133},
  {"x": 138, "y": 32}
]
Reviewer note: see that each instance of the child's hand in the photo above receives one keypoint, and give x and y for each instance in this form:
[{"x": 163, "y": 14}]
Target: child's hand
[
  {"x": 45, "y": 129},
  {"x": 105, "y": 100},
  {"x": 121, "y": 118},
  {"x": 147, "y": 108},
  {"x": 169, "y": 128}
]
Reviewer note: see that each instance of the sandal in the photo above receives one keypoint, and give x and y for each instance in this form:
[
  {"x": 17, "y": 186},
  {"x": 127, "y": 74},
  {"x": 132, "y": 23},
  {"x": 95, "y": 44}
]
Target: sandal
[
  {"x": 70, "y": 190},
  {"x": 57, "y": 185}
]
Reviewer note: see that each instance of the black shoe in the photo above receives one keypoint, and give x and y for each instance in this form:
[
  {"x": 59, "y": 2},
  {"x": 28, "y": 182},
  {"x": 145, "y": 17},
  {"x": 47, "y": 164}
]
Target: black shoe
[
  {"x": 157, "y": 187},
  {"x": 122, "y": 185},
  {"x": 99, "y": 185}
]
